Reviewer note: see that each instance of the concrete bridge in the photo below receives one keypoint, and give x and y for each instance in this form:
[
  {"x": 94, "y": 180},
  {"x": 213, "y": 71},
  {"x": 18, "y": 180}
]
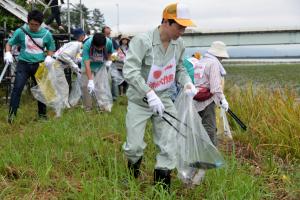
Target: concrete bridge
[{"x": 243, "y": 38}]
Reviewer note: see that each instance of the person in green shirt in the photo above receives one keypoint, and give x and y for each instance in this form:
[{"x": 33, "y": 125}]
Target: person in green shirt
[
  {"x": 189, "y": 63},
  {"x": 96, "y": 53},
  {"x": 153, "y": 63},
  {"x": 32, "y": 43}
]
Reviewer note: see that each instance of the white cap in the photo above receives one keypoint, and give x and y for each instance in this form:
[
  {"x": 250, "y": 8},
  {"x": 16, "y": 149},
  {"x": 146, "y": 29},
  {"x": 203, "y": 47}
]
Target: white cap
[{"x": 218, "y": 49}]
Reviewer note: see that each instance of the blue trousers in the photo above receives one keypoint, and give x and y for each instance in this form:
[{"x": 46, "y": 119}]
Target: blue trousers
[{"x": 24, "y": 70}]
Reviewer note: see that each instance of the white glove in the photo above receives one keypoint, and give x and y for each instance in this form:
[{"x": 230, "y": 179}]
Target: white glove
[
  {"x": 78, "y": 59},
  {"x": 224, "y": 104},
  {"x": 190, "y": 89},
  {"x": 91, "y": 86},
  {"x": 155, "y": 103},
  {"x": 8, "y": 58},
  {"x": 49, "y": 61},
  {"x": 76, "y": 69},
  {"x": 108, "y": 63}
]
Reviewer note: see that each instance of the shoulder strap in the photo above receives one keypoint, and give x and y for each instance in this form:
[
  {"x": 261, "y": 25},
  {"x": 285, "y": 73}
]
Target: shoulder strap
[
  {"x": 105, "y": 53},
  {"x": 31, "y": 38},
  {"x": 123, "y": 51},
  {"x": 86, "y": 39}
]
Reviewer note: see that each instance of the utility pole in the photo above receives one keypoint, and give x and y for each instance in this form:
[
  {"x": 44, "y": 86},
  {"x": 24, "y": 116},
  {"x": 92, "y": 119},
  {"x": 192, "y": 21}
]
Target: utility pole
[
  {"x": 81, "y": 16},
  {"x": 117, "y": 18},
  {"x": 69, "y": 21}
]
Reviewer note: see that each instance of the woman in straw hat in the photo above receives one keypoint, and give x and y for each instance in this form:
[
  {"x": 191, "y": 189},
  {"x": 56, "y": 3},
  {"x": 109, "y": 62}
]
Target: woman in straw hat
[
  {"x": 208, "y": 80},
  {"x": 119, "y": 61}
]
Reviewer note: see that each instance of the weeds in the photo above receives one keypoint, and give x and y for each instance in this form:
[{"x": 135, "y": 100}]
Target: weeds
[{"x": 79, "y": 155}]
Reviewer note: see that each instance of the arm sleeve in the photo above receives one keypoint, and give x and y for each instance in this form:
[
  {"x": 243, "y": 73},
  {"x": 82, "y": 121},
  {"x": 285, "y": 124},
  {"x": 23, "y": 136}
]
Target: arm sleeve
[
  {"x": 86, "y": 51},
  {"x": 69, "y": 54},
  {"x": 133, "y": 64},
  {"x": 15, "y": 39},
  {"x": 189, "y": 68},
  {"x": 181, "y": 74},
  {"x": 109, "y": 46},
  {"x": 215, "y": 83},
  {"x": 50, "y": 44}
]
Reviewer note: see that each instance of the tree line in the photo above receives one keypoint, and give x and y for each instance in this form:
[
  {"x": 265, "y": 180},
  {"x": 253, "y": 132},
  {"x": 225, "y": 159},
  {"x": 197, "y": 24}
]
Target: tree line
[{"x": 92, "y": 19}]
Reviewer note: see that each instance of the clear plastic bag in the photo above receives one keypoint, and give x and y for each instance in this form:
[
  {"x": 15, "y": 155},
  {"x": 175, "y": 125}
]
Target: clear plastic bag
[
  {"x": 223, "y": 125},
  {"x": 75, "y": 93},
  {"x": 102, "y": 90},
  {"x": 195, "y": 149},
  {"x": 116, "y": 74}
]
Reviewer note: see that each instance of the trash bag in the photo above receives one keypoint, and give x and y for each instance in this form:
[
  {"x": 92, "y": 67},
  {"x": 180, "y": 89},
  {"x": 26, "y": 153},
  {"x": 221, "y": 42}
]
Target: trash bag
[
  {"x": 52, "y": 87},
  {"x": 222, "y": 123},
  {"x": 102, "y": 90},
  {"x": 194, "y": 147},
  {"x": 75, "y": 93},
  {"x": 44, "y": 90},
  {"x": 116, "y": 74}
]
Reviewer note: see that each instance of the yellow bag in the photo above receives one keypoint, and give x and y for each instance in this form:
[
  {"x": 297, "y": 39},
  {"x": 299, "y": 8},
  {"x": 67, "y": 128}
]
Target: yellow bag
[{"x": 44, "y": 82}]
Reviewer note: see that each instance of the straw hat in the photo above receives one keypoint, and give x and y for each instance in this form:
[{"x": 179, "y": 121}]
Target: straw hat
[
  {"x": 218, "y": 49},
  {"x": 124, "y": 37}
]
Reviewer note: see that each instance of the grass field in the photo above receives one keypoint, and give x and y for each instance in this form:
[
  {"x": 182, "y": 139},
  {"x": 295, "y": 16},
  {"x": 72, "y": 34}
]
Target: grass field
[
  {"x": 79, "y": 155},
  {"x": 272, "y": 76}
]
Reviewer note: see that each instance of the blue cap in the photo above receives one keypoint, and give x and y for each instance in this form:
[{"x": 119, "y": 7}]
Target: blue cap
[{"x": 78, "y": 32}]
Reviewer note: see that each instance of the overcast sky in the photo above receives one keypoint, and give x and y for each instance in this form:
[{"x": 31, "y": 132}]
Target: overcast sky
[{"x": 209, "y": 15}]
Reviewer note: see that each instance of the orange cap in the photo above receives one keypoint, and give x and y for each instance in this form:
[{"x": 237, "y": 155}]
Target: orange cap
[
  {"x": 178, "y": 12},
  {"x": 197, "y": 55}
]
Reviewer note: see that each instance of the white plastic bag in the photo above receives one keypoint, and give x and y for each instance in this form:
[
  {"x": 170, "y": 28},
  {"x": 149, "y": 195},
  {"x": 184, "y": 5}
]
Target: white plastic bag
[
  {"x": 195, "y": 149},
  {"x": 102, "y": 90},
  {"x": 225, "y": 123},
  {"x": 75, "y": 93},
  {"x": 116, "y": 74}
]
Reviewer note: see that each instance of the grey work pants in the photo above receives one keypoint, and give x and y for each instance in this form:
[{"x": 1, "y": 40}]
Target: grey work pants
[
  {"x": 86, "y": 97},
  {"x": 208, "y": 116},
  {"x": 164, "y": 136}
]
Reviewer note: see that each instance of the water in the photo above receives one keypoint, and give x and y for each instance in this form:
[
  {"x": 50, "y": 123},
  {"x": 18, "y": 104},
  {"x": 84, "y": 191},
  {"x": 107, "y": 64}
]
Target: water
[{"x": 257, "y": 51}]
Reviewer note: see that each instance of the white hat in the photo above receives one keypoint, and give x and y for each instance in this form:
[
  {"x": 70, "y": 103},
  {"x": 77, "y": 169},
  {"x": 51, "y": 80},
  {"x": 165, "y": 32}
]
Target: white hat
[{"x": 218, "y": 49}]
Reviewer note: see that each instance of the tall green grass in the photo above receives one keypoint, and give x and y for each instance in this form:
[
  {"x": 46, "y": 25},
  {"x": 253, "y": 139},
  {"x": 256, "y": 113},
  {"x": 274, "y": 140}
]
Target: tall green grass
[
  {"x": 272, "y": 117},
  {"x": 79, "y": 155}
]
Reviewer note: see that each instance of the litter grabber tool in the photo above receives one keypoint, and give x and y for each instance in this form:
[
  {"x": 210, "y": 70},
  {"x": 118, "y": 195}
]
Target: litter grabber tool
[
  {"x": 4, "y": 70},
  {"x": 173, "y": 126},
  {"x": 205, "y": 165},
  {"x": 94, "y": 97},
  {"x": 167, "y": 121},
  {"x": 242, "y": 125},
  {"x": 167, "y": 113},
  {"x": 177, "y": 119}
]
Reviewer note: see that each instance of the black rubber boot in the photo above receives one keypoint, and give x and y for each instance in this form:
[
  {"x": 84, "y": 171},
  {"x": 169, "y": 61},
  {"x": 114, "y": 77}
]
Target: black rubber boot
[
  {"x": 134, "y": 168},
  {"x": 42, "y": 110},
  {"x": 163, "y": 176},
  {"x": 11, "y": 115}
]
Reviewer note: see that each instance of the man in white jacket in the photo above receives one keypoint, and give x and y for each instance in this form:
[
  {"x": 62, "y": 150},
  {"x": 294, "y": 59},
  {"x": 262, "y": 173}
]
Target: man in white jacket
[{"x": 67, "y": 56}]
